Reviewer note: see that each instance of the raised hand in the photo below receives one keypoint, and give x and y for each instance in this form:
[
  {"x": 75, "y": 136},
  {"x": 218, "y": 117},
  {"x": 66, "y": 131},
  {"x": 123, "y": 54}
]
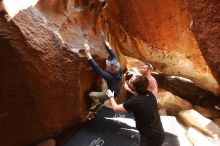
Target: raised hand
[
  {"x": 108, "y": 45},
  {"x": 128, "y": 88},
  {"x": 125, "y": 85},
  {"x": 87, "y": 48}
]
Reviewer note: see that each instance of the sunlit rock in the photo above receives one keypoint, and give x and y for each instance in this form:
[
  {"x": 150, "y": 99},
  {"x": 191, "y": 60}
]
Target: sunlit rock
[
  {"x": 173, "y": 104},
  {"x": 162, "y": 111},
  {"x": 199, "y": 139},
  {"x": 194, "y": 119}
]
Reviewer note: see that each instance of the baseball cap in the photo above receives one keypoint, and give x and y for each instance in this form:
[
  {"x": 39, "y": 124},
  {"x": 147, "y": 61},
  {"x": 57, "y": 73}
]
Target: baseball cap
[{"x": 112, "y": 63}]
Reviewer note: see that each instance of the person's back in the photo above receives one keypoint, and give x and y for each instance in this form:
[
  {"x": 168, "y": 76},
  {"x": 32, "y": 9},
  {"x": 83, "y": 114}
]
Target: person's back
[
  {"x": 147, "y": 119},
  {"x": 144, "y": 108}
]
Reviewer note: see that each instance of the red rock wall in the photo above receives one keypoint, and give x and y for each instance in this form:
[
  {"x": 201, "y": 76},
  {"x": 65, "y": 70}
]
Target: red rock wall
[
  {"x": 45, "y": 78},
  {"x": 206, "y": 26},
  {"x": 38, "y": 97},
  {"x": 158, "y": 32}
]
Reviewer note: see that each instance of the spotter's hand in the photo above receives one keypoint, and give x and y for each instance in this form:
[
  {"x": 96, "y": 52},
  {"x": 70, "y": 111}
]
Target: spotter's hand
[{"x": 109, "y": 93}]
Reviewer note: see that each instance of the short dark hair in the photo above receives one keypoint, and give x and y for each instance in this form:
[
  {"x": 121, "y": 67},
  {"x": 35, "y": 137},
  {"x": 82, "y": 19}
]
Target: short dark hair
[{"x": 141, "y": 84}]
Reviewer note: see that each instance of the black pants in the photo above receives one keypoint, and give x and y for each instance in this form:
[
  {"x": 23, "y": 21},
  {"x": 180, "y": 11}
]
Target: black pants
[
  {"x": 153, "y": 141},
  {"x": 170, "y": 139},
  {"x": 148, "y": 144}
]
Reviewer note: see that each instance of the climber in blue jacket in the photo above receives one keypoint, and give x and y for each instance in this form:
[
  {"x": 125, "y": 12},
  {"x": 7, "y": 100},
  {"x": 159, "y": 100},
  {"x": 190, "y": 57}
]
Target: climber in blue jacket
[{"x": 112, "y": 75}]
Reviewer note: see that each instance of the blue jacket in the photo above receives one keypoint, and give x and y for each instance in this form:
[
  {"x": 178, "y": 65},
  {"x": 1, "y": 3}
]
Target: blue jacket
[{"x": 113, "y": 80}]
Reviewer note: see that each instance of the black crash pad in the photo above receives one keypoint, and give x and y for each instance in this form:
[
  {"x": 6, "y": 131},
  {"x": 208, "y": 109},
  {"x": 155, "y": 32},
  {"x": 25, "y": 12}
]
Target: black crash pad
[{"x": 102, "y": 131}]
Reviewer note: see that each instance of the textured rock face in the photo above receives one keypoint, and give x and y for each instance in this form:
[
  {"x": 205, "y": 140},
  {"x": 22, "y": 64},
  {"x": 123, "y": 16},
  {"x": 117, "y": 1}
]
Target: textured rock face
[
  {"x": 44, "y": 77},
  {"x": 206, "y": 26},
  {"x": 38, "y": 98},
  {"x": 158, "y": 32}
]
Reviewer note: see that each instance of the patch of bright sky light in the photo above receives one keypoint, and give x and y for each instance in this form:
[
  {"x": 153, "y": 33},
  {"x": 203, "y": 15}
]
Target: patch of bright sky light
[{"x": 14, "y": 6}]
